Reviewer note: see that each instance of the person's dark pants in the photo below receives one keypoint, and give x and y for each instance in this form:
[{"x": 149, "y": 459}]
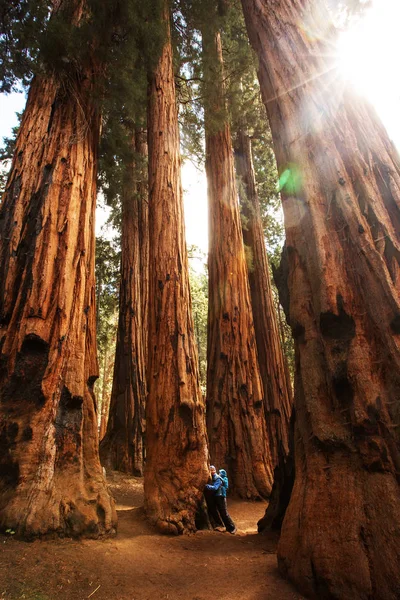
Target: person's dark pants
[
  {"x": 211, "y": 500},
  {"x": 223, "y": 511}
]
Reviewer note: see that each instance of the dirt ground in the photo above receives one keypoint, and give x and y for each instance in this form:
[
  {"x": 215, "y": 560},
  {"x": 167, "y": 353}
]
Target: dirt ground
[{"x": 139, "y": 564}]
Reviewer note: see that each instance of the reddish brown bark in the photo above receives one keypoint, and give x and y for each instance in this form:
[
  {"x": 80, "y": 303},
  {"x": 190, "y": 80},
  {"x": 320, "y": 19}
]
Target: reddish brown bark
[
  {"x": 340, "y": 537},
  {"x": 176, "y": 468},
  {"x": 235, "y": 404},
  {"x": 122, "y": 448},
  {"x": 51, "y": 479},
  {"x": 278, "y": 399}
]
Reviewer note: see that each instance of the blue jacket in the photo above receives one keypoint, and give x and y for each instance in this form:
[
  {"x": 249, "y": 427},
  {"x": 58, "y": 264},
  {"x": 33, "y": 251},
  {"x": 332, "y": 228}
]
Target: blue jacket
[
  {"x": 219, "y": 483},
  {"x": 225, "y": 483},
  {"x": 216, "y": 483}
]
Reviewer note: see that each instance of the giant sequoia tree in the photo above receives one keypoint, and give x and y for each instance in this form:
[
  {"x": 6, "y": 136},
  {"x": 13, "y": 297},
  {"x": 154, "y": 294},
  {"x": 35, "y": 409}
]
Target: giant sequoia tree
[
  {"x": 235, "y": 404},
  {"x": 51, "y": 478},
  {"x": 176, "y": 468},
  {"x": 273, "y": 371},
  {"x": 123, "y": 445},
  {"x": 340, "y": 537}
]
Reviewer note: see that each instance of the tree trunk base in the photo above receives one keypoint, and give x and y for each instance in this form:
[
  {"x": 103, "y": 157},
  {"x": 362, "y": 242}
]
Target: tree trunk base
[
  {"x": 90, "y": 517},
  {"x": 169, "y": 509},
  {"x": 338, "y": 540}
]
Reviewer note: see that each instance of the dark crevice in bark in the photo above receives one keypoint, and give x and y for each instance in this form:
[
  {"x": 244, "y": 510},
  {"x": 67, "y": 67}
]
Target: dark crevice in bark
[
  {"x": 281, "y": 275},
  {"x": 284, "y": 472},
  {"x": 338, "y": 327},
  {"x": 282, "y": 487},
  {"x": 24, "y": 387}
]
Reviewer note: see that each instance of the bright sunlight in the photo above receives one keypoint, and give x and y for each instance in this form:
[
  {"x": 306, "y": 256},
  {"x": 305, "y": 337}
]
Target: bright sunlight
[{"x": 367, "y": 56}]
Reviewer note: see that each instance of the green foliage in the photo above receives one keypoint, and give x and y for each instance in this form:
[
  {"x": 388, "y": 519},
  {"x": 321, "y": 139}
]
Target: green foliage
[
  {"x": 22, "y": 25},
  {"x": 199, "y": 292},
  {"x": 4, "y": 170},
  {"x": 107, "y": 295},
  {"x": 41, "y": 36},
  {"x": 6, "y": 154},
  {"x": 137, "y": 43},
  {"x": 107, "y": 284},
  {"x": 189, "y": 79},
  {"x": 7, "y": 151},
  {"x": 247, "y": 112}
]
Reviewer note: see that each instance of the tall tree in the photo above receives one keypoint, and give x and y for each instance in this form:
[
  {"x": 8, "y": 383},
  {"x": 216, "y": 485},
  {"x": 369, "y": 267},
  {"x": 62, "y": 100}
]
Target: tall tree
[
  {"x": 123, "y": 445},
  {"x": 274, "y": 374},
  {"x": 107, "y": 278},
  {"x": 235, "y": 404},
  {"x": 51, "y": 479},
  {"x": 341, "y": 198},
  {"x": 176, "y": 468},
  {"x": 199, "y": 292}
]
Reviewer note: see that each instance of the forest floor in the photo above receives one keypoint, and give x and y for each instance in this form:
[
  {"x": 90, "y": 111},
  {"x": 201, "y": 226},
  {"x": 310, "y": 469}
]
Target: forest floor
[{"x": 140, "y": 564}]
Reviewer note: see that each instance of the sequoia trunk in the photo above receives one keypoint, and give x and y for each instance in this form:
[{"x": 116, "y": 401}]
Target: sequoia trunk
[
  {"x": 340, "y": 537},
  {"x": 235, "y": 404},
  {"x": 176, "y": 466},
  {"x": 51, "y": 479},
  {"x": 277, "y": 387},
  {"x": 122, "y": 447}
]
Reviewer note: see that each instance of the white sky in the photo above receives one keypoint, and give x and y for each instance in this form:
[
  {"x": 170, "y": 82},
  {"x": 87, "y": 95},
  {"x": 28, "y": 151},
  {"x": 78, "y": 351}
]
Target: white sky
[{"x": 368, "y": 56}]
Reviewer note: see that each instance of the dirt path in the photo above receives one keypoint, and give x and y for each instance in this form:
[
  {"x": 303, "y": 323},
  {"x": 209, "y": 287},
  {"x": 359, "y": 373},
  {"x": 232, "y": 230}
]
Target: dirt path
[{"x": 139, "y": 564}]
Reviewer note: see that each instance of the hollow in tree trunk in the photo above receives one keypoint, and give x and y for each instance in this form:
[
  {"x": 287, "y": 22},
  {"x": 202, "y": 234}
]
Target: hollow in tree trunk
[
  {"x": 235, "y": 401},
  {"x": 122, "y": 447},
  {"x": 176, "y": 465},
  {"x": 278, "y": 399},
  {"x": 341, "y": 198},
  {"x": 51, "y": 479}
]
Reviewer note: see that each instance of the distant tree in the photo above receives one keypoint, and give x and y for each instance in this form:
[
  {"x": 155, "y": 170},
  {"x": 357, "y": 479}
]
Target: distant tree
[
  {"x": 107, "y": 278},
  {"x": 199, "y": 292},
  {"x": 278, "y": 399},
  {"x": 340, "y": 178},
  {"x": 249, "y": 125},
  {"x": 6, "y": 155},
  {"x": 123, "y": 445}
]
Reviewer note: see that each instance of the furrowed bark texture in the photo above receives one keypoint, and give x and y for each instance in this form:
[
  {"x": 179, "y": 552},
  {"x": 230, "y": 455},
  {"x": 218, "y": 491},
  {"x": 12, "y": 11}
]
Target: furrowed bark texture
[
  {"x": 122, "y": 448},
  {"x": 51, "y": 479},
  {"x": 278, "y": 400},
  {"x": 341, "y": 535},
  {"x": 176, "y": 442},
  {"x": 235, "y": 404}
]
